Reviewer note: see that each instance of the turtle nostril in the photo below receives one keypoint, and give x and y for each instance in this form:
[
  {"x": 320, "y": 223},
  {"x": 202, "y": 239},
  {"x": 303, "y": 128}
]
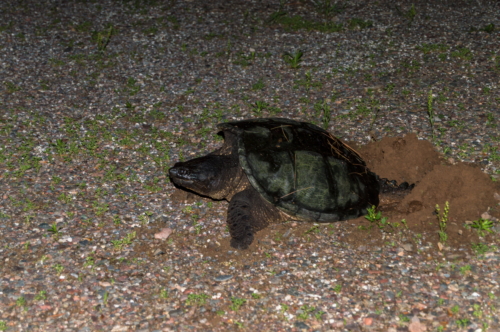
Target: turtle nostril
[{"x": 174, "y": 171}]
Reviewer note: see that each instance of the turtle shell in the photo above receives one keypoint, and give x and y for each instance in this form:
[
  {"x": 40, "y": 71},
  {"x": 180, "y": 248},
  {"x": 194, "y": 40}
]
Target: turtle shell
[{"x": 303, "y": 170}]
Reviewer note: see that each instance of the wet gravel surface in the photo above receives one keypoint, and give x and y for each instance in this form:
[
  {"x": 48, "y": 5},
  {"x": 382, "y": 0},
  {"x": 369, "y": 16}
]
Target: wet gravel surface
[{"x": 99, "y": 99}]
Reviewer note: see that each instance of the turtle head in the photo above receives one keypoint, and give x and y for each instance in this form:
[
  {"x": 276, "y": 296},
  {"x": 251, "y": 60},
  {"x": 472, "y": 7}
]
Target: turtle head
[{"x": 204, "y": 175}]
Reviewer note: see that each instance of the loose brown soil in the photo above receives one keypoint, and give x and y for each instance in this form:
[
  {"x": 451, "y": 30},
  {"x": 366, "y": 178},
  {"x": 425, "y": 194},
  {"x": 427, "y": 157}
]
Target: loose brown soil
[{"x": 468, "y": 190}]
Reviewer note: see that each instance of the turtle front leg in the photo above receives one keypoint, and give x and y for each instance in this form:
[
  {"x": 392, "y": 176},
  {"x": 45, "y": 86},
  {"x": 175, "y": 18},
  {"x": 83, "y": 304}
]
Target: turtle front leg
[
  {"x": 248, "y": 213},
  {"x": 240, "y": 219}
]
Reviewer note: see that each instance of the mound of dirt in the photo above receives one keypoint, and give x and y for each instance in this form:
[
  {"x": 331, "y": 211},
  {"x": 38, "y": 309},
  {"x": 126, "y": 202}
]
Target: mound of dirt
[
  {"x": 468, "y": 191},
  {"x": 401, "y": 158}
]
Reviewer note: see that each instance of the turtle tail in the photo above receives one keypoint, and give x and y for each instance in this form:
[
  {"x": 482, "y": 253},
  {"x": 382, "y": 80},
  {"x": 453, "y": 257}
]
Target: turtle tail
[{"x": 391, "y": 186}]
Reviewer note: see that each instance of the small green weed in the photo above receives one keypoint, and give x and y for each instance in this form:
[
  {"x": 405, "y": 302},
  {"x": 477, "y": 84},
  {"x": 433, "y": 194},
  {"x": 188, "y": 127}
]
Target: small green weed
[
  {"x": 490, "y": 120},
  {"x": 442, "y": 56},
  {"x": 197, "y": 299},
  {"x": 105, "y": 298},
  {"x": 163, "y": 293},
  {"x": 83, "y": 27},
  {"x": 482, "y": 226},
  {"x": 489, "y": 28},
  {"x": 430, "y": 111},
  {"x": 326, "y": 115},
  {"x": 66, "y": 199},
  {"x": 337, "y": 288},
  {"x": 21, "y": 302},
  {"x": 57, "y": 62},
  {"x": 462, "y": 323},
  {"x": 259, "y": 106},
  {"x": 11, "y": 87},
  {"x": 132, "y": 88},
  {"x": 328, "y": 7},
  {"x": 313, "y": 229},
  {"x": 308, "y": 82},
  {"x": 144, "y": 217},
  {"x": 102, "y": 38},
  {"x": 117, "y": 220},
  {"x": 54, "y": 229},
  {"x": 455, "y": 309},
  {"x": 244, "y": 60},
  {"x": 6, "y": 27},
  {"x": 412, "y": 66},
  {"x": 196, "y": 225},
  {"x": 58, "y": 267},
  {"x": 465, "y": 269},
  {"x": 428, "y": 48},
  {"x": 322, "y": 110},
  {"x": 150, "y": 31},
  {"x": 294, "y": 59},
  {"x": 357, "y": 23},
  {"x": 390, "y": 88},
  {"x": 319, "y": 314},
  {"x": 411, "y": 13},
  {"x": 236, "y": 303},
  {"x": 100, "y": 208},
  {"x": 89, "y": 261},
  {"x": 172, "y": 19},
  {"x": 480, "y": 248},
  {"x": 284, "y": 308},
  {"x": 259, "y": 85},
  {"x": 42, "y": 295},
  {"x": 462, "y": 53},
  {"x": 43, "y": 259},
  {"x": 305, "y": 312},
  {"x": 119, "y": 244},
  {"x": 477, "y": 312},
  {"x": 443, "y": 220},
  {"x": 375, "y": 217}
]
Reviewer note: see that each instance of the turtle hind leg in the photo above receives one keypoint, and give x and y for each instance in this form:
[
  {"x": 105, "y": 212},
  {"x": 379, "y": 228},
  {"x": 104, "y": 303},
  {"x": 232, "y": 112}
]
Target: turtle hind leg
[
  {"x": 387, "y": 186},
  {"x": 248, "y": 213}
]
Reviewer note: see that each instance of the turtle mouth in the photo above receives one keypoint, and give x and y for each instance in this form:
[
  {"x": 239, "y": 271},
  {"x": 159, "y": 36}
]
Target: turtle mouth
[{"x": 183, "y": 183}]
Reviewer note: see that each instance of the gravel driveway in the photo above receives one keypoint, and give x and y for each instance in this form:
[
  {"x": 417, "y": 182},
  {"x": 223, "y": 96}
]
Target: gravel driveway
[{"x": 99, "y": 98}]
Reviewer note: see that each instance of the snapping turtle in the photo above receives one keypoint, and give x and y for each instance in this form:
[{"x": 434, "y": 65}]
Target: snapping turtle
[{"x": 272, "y": 170}]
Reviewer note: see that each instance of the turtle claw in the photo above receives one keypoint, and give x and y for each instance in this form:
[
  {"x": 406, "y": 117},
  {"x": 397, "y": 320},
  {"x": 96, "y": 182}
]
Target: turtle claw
[{"x": 242, "y": 243}]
